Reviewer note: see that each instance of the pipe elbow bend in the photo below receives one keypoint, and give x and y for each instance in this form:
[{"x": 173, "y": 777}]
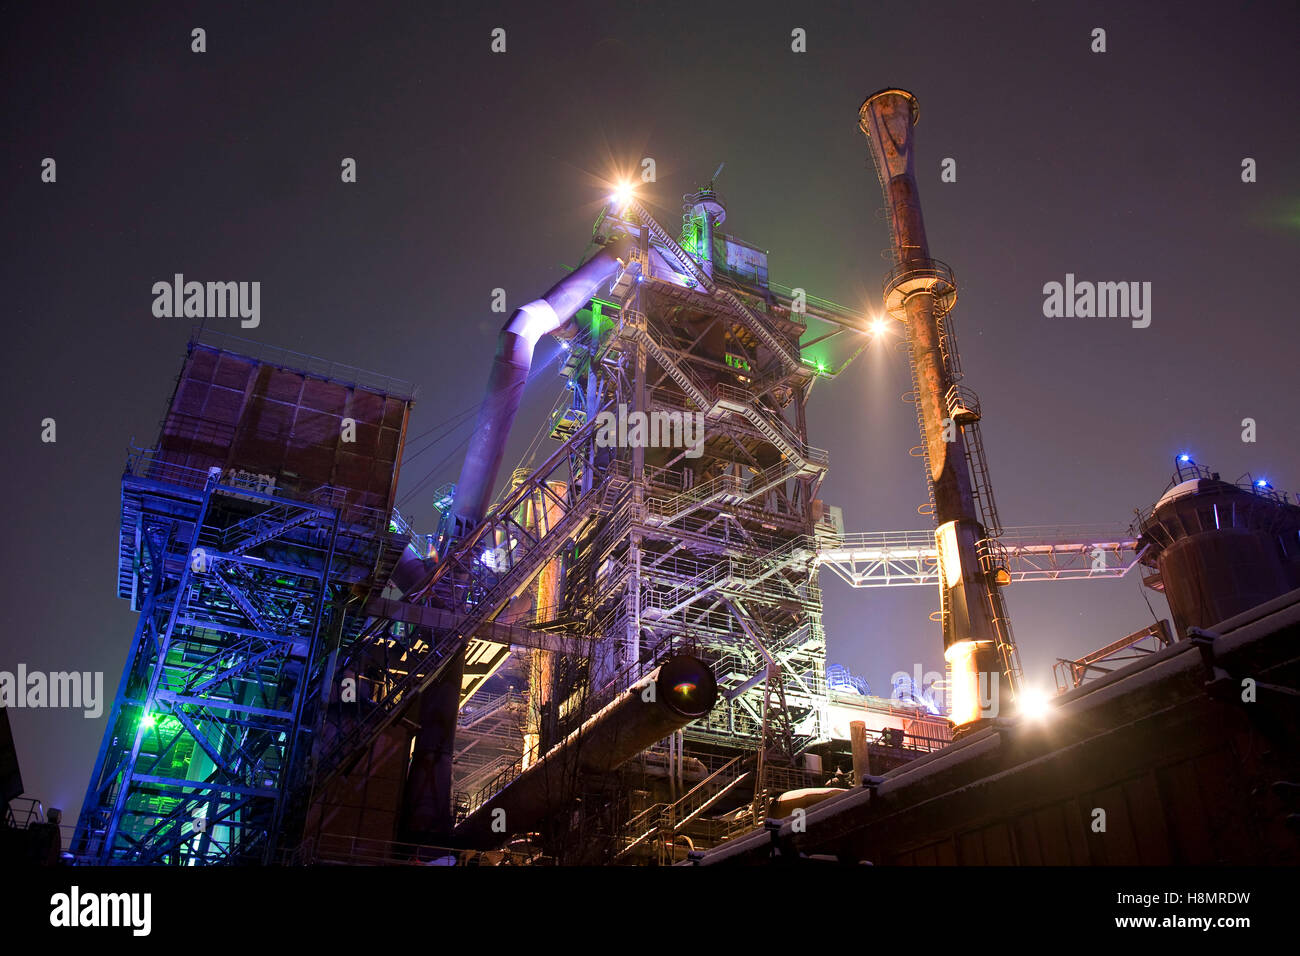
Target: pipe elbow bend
[{"x": 530, "y": 322}]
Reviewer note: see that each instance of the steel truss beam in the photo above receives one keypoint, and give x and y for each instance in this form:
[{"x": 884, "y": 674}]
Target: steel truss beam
[
  {"x": 910, "y": 558},
  {"x": 203, "y": 737}
]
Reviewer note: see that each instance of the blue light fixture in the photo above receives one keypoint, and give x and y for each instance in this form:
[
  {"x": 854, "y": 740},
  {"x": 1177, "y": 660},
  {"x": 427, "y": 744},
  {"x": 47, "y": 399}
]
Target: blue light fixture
[{"x": 1185, "y": 459}]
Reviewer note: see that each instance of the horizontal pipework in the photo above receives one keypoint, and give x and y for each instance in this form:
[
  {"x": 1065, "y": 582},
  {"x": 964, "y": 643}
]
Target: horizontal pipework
[{"x": 680, "y": 690}]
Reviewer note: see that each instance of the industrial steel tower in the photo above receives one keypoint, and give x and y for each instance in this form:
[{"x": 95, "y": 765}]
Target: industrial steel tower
[
  {"x": 660, "y": 560},
  {"x": 252, "y": 536},
  {"x": 705, "y": 541},
  {"x": 920, "y": 292}
]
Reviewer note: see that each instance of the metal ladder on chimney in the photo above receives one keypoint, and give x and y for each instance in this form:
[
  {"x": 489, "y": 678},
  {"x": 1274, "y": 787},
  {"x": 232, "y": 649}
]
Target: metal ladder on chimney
[{"x": 991, "y": 552}]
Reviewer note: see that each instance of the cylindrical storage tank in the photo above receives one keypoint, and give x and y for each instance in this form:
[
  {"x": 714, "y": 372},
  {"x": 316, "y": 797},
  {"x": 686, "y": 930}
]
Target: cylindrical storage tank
[
  {"x": 1212, "y": 576},
  {"x": 1217, "y": 549}
]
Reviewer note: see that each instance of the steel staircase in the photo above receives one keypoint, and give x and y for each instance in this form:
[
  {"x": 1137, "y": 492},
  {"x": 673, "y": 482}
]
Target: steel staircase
[
  {"x": 427, "y": 669},
  {"x": 759, "y": 328},
  {"x": 797, "y": 458},
  {"x": 672, "y": 818},
  {"x": 727, "y": 399},
  {"x": 128, "y": 547},
  {"x": 732, "y": 574},
  {"x": 643, "y": 336},
  {"x": 709, "y": 791},
  {"x": 727, "y": 489},
  {"x": 260, "y": 528},
  {"x": 236, "y": 594},
  {"x": 519, "y": 561}
]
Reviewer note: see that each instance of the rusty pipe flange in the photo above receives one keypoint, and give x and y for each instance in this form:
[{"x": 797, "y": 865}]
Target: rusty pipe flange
[
  {"x": 913, "y": 105},
  {"x": 919, "y": 276}
]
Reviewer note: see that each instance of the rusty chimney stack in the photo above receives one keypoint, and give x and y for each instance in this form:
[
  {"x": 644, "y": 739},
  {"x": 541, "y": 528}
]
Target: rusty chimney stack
[{"x": 919, "y": 293}]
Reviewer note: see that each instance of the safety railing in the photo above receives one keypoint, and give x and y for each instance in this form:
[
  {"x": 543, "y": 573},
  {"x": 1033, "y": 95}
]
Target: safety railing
[
  {"x": 147, "y": 463},
  {"x": 920, "y": 275},
  {"x": 477, "y": 707},
  {"x": 308, "y": 364},
  {"x": 722, "y": 488},
  {"x": 742, "y": 401},
  {"x": 818, "y": 305},
  {"x": 473, "y": 802},
  {"x": 784, "y": 350},
  {"x": 963, "y": 404}
]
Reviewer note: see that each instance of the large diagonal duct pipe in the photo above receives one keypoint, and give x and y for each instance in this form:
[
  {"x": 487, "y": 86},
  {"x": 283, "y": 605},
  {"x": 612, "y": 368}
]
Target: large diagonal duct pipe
[
  {"x": 426, "y": 813},
  {"x": 505, "y": 388},
  {"x": 509, "y": 375},
  {"x": 919, "y": 292},
  {"x": 684, "y": 690}
]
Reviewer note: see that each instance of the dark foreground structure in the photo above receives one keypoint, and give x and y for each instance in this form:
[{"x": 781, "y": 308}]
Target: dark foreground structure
[{"x": 1188, "y": 757}]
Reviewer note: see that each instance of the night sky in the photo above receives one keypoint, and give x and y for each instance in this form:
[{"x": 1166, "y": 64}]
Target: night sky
[{"x": 479, "y": 170}]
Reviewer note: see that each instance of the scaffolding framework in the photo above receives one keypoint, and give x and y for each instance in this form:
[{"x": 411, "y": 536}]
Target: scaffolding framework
[
  {"x": 710, "y": 553},
  {"x": 247, "y": 581}
]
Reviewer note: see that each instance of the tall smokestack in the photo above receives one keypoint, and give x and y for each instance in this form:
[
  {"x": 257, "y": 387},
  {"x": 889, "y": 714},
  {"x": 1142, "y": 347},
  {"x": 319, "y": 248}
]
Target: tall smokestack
[{"x": 919, "y": 292}]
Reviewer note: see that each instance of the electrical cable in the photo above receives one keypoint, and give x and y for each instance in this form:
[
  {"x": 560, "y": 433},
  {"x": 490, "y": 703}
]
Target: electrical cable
[{"x": 464, "y": 416}]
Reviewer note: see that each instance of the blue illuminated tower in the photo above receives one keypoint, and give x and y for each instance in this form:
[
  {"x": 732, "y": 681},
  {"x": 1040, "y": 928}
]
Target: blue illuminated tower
[{"x": 251, "y": 536}]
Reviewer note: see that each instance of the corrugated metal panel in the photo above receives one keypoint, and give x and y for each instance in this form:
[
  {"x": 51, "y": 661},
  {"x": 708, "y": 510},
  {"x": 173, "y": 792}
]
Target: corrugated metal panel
[{"x": 238, "y": 414}]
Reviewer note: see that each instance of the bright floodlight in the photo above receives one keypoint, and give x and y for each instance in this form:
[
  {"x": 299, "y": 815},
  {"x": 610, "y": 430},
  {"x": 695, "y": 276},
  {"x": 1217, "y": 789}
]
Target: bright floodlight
[
  {"x": 879, "y": 327},
  {"x": 622, "y": 195},
  {"x": 1033, "y": 703}
]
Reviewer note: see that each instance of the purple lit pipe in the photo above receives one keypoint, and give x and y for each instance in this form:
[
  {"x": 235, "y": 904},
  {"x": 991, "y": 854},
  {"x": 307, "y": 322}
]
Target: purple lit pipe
[{"x": 514, "y": 358}]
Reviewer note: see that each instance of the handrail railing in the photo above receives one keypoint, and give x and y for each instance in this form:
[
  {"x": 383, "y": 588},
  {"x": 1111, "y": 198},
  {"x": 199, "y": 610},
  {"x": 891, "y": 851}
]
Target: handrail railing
[
  {"x": 309, "y": 364},
  {"x": 937, "y": 277},
  {"x": 147, "y": 463}
]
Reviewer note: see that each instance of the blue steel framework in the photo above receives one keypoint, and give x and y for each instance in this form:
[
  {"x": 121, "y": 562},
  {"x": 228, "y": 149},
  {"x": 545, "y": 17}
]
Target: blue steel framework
[{"x": 245, "y": 598}]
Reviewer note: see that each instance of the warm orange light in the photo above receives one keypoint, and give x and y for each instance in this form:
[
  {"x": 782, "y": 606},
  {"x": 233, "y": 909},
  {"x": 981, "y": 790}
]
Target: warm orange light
[
  {"x": 964, "y": 683},
  {"x": 879, "y": 327}
]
